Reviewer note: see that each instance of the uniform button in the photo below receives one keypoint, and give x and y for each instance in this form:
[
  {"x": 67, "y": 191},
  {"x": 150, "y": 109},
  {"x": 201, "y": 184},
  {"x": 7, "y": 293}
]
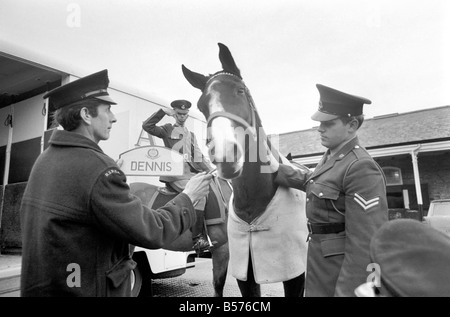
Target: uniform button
[
  {"x": 341, "y": 156},
  {"x": 311, "y": 181},
  {"x": 320, "y": 194},
  {"x": 307, "y": 200},
  {"x": 356, "y": 146}
]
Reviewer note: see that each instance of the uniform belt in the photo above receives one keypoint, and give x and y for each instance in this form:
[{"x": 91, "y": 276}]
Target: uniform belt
[{"x": 325, "y": 228}]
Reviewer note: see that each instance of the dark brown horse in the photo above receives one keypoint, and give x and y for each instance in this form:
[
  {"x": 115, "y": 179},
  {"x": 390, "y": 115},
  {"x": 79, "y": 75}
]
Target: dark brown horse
[
  {"x": 267, "y": 239},
  {"x": 216, "y": 203}
]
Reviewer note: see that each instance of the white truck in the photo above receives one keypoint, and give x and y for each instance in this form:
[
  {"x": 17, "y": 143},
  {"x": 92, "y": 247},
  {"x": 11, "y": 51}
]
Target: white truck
[
  {"x": 157, "y": 264},
  {"x": 438, "y": 216},
  {"x": 143, "y": 165}
]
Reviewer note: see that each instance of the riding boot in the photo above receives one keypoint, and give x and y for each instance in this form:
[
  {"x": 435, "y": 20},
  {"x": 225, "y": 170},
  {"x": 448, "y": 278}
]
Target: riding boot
[{"x": 200, "y": 242}]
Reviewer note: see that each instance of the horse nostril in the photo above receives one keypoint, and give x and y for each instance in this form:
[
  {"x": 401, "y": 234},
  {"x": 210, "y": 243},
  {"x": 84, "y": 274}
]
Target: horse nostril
[{"x": 212, "y": 155}]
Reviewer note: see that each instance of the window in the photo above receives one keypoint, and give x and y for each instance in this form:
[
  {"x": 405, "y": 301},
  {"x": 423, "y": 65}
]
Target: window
[{"x": 393, "y": 176}]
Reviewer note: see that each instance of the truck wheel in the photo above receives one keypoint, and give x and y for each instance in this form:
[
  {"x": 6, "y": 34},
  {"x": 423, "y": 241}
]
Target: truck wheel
[
  {"x": 141, "y": 279},
  {"x": 136, "y": 282}
]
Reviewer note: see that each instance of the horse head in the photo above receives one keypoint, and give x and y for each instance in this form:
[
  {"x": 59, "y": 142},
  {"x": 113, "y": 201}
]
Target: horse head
[
  {"x": 233, "y": 123},
  {"x": 237, "y": 145}
]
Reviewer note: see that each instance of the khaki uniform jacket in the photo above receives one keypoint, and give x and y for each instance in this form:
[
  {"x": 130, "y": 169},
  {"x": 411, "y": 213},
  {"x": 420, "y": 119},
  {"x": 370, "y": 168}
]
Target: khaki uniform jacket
[
  {"x": 349, "y": 188},
  {"x": 78, "y": 219},
  {"x": 177, "y": 138}
]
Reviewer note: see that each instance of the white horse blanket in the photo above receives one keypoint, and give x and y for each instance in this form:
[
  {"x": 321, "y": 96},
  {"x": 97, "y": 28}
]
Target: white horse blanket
[{"x": 276, "y": 240}]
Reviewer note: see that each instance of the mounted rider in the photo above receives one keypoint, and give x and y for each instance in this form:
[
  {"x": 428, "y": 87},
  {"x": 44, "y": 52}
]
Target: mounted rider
[{"x": 178, "y": 137}]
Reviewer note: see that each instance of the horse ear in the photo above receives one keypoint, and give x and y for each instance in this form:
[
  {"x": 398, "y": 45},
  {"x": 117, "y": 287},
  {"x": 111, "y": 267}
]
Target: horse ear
[
  {"x": 195, "y": 79},
  {"x": 227, "y": 61}
]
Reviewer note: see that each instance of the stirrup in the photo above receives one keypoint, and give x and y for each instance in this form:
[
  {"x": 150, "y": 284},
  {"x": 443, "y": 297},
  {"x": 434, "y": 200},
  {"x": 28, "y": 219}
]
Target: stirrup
[{"x": 201, "y": 244}]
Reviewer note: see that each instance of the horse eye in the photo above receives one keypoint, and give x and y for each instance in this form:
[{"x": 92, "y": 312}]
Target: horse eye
[{"x": 241, "y": 90}]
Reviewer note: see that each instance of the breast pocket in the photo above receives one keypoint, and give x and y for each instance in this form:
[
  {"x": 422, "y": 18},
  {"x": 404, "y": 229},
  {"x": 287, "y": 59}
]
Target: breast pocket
[
  {"x": 323, "y": 191},
  {"x": 176, "y": 143},
  {"x": 328, "y": 202},
  {"x": 176, "y": 135},
  {"x": 175, "y": 138}
]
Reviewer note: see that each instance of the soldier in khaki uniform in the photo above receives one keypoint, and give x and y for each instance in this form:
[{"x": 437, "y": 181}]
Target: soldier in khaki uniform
[
  {"x": 346, "y": 198},
  {"x": 177, "y": 137}
]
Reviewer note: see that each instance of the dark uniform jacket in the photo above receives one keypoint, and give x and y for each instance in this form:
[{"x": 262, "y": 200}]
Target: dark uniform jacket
[
  {"x": 78, "y": 219},
  {"x": 349, "y": 188},
  {"x": 180, "y": 139}
]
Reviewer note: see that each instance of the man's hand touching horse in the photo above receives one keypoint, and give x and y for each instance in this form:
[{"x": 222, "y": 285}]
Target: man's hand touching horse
[{"x": 198, "y": 187}]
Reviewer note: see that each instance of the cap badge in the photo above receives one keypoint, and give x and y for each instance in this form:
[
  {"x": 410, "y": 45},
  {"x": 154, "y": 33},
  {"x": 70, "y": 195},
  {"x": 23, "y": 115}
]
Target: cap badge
[{"x": 183, "y": 107}]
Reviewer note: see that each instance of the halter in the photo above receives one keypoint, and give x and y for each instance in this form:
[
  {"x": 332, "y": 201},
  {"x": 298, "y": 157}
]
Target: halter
[{"x": 249, "y": 126}]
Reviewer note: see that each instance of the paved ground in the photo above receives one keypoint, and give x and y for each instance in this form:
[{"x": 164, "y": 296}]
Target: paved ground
[
  {"x": 9, "y": 275},
  {"x": 196, "y": 282}
]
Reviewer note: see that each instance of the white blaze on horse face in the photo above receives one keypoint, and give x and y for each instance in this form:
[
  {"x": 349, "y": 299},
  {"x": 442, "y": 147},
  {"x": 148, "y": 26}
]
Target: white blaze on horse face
[
  {"x": 224, "y": 140},
  {"x": 224, "y": 147}
]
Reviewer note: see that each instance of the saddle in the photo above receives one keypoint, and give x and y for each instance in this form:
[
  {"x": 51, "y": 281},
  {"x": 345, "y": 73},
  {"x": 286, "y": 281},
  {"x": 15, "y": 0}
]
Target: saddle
[{"x": 168, "y": 191}]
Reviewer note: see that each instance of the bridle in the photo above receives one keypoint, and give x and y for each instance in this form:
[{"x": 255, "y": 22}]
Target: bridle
[{"x": 251, "y": 127}]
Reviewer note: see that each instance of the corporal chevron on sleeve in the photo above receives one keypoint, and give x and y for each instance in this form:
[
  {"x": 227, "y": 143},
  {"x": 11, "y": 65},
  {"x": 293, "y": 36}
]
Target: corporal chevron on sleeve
[{"x": 366, "y": 204}]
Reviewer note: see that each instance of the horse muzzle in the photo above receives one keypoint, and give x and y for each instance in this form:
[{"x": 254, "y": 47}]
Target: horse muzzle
[
  {"x": 228, "y": 157},
  {"x": 228, "y": 170}
]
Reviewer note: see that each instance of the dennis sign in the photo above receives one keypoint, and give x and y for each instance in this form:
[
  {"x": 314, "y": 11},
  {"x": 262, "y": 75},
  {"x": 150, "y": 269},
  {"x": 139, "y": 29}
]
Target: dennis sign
[{"x": 152, "y": 161}]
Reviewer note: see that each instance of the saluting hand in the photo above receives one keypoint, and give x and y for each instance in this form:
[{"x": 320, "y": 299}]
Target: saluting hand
[
  {"x": 169, "y": 112},
  {"x": 198, "y": 187}
]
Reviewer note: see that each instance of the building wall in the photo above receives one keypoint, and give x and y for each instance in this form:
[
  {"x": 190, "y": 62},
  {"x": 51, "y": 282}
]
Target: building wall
[{"x": 434, "y": 172}]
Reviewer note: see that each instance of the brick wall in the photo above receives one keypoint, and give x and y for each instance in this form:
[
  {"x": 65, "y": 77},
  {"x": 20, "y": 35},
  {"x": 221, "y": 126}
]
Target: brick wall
[{"x": 434, "y": 172}]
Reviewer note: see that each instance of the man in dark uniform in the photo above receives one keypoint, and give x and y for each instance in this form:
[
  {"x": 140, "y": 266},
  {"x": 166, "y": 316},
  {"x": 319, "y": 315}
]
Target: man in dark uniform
[
  {"x": 178, "y": 137},
  {"x": 346, "y": 198},
  {"x": 78, "y": 217},
  {"x": 410, "y": 259}
]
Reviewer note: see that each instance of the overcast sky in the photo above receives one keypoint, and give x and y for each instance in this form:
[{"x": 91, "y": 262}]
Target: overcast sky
[{"x": 395, "y": 53}]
